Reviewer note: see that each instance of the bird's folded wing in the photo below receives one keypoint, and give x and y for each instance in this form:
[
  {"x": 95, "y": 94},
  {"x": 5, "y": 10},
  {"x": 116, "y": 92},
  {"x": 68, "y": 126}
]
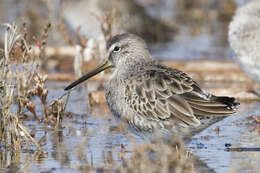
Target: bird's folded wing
[{"x": 157, "y": 93}]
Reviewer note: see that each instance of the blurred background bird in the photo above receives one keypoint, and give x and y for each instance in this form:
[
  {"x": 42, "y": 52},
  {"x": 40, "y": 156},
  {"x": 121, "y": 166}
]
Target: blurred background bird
[{"x": 244, "y": 38}]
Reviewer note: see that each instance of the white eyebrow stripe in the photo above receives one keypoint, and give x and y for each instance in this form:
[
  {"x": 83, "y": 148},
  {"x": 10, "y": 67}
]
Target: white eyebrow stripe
[{"x": 111, "y": 48}]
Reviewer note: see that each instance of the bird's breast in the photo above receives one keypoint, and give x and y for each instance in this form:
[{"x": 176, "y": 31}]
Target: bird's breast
[{"x": 114, "y": 96}]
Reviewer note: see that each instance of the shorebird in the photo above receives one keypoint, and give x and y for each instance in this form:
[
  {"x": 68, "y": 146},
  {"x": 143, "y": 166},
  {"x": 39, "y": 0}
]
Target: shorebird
[
  {"x": 153, "y": 97},
  {"x": 244, "y": 38}
]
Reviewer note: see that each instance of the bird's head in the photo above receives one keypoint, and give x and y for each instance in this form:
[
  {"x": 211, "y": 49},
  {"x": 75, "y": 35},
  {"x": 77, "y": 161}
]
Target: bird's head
[{"x": 123, "y": 50}]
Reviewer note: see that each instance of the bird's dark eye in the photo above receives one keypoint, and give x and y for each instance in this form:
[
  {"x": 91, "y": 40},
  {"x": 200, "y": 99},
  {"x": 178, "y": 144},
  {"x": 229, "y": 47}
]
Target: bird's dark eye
[{"x": 116, "y": 49}]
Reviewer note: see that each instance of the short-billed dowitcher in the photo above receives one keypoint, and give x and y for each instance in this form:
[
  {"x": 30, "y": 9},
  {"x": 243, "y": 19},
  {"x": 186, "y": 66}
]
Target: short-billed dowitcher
[{"x": 153, "y": 97}]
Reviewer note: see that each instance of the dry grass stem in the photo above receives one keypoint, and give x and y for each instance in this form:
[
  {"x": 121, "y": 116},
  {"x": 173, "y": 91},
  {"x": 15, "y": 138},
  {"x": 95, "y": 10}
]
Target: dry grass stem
[{"x": 20, "y": 83}]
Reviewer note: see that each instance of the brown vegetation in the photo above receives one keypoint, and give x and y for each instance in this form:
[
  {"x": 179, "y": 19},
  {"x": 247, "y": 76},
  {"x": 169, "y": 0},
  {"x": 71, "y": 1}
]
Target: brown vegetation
[{"x": 21, "y": 82}]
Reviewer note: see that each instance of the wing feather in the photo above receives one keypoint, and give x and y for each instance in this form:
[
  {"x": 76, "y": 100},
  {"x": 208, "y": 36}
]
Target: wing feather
[{"x": 159, "y": 95}]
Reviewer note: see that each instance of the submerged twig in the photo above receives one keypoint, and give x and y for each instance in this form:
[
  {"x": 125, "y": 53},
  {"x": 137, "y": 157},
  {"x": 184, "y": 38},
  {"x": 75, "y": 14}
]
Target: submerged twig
[
  {"x": 27, "y": 134},
  {"x": 241, "y": 149}
]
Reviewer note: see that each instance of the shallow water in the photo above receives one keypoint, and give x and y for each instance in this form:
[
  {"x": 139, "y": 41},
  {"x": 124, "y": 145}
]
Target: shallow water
[
  {"x": 239, "y": 130},
  {"x": 88, "y": 139}
]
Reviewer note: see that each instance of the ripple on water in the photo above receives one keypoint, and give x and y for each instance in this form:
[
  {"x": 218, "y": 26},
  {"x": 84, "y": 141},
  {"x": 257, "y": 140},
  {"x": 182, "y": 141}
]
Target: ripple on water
[{"x": 237, "y": 130}]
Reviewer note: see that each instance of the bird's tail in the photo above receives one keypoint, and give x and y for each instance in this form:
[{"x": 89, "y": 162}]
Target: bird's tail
[
  {"x": 213, "y": 106},
  {"x": 230, "y": 102},
  {"x": 210, "y": 110}
]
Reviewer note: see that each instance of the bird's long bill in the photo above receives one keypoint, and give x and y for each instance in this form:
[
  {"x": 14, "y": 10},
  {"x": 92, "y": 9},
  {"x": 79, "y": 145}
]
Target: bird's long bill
[{"x": 99, "y": 69}]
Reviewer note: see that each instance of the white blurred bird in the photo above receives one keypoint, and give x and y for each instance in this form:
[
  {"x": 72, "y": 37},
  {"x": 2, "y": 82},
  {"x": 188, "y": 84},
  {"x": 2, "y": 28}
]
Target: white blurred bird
[{"x": 244, "y": 38}]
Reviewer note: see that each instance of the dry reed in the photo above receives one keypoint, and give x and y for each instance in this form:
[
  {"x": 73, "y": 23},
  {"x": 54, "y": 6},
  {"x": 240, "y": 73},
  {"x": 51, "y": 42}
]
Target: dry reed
[{"x": 20, "y": 83}]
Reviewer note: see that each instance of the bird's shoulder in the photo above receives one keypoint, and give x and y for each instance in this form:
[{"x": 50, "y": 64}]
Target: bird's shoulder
[{"x": 156, "y": 76}]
